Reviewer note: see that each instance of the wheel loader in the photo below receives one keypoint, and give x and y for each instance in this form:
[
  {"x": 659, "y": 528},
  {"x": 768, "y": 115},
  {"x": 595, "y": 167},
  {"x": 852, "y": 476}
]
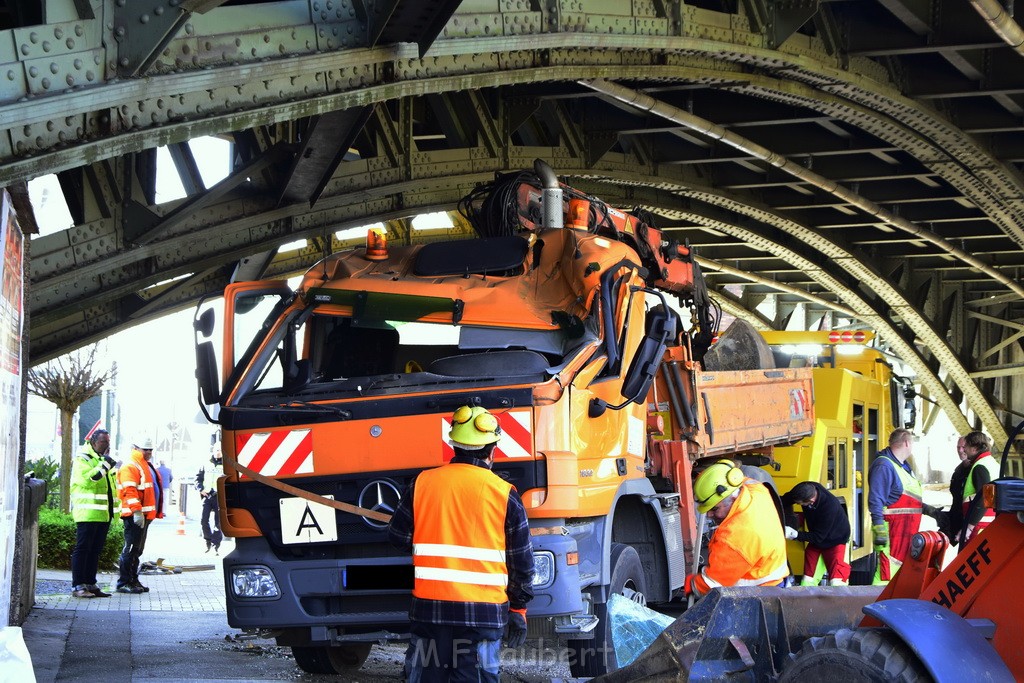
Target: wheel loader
[{"x": 961, "y": 623}]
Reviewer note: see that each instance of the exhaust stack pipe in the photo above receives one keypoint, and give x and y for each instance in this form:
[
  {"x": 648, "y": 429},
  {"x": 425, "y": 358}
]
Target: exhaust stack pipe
[{"x": 552, "y": 200}]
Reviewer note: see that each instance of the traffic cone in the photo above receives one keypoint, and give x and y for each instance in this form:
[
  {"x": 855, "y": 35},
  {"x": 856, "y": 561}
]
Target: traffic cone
[{"x": 181, "y": 525}]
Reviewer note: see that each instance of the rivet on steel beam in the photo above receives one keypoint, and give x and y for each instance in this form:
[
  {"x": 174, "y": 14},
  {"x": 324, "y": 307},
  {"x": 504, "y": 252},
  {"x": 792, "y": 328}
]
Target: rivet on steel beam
[{"x": 144, "y": 19}]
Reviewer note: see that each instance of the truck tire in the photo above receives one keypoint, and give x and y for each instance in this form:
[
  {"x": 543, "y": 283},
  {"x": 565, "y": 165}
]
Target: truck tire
[
  {"x": 332, "y": 659},
  {"x": 588, "y": 658},
  {"x": 864, "y": 655}
]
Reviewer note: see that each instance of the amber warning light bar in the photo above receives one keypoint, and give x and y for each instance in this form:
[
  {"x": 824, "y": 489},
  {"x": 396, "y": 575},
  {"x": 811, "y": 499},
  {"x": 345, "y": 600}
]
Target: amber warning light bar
[{"x": 376, "y": 245}]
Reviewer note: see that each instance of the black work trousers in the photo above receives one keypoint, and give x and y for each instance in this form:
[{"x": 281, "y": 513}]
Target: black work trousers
[
  {"x": 211, "y": 533},
  {"x": 134, "y": 544},
  {"x": 85, "y": 558}
]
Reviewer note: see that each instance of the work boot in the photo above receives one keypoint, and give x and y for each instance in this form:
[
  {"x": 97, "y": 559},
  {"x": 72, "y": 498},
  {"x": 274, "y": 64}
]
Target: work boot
[
  {"x": 82, "y": 592},
  {"x": 142, "y": 589},
  {"x": 208, "y": 546},
  {"x": 128, "y": 588},
  {"x": 96, "y": 591}
]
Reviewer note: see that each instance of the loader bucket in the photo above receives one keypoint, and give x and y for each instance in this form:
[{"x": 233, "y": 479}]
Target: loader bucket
[{"x": 745, "y": 634}]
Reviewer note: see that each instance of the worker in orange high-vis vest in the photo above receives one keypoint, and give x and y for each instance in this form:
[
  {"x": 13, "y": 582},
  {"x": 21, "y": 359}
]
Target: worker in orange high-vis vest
[
  {"x": 141, "y": 492},
  {"x": 983, "y": 469},
  {"x": 748, "y": 548},
  {"x": 472, "y": 559}
]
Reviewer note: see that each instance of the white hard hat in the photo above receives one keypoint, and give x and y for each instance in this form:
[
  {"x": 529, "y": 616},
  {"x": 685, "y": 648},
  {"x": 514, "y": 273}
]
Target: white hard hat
[{"x": 145, "y": 444}]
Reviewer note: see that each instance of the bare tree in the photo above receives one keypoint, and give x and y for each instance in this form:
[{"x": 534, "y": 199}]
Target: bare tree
[{"x": 68, "y": 382}]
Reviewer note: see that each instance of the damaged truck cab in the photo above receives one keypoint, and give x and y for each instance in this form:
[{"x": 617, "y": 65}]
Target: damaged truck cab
[{"x": 564, "y": 320}]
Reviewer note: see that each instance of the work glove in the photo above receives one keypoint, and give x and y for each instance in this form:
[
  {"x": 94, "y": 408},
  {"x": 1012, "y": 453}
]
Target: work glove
[
  {"x": 688, "y": 584},
  {"x": 881, "y": 533},
  {"x": 139, "y": 517},
  {"x": 930, "y": 510},
  {"x": 515, "y": 631},
  {"x": 790, "y": 533}
]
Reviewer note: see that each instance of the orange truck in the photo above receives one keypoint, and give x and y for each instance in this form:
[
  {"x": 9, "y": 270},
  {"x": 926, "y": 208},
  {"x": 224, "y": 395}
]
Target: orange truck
[{"x": 563, "y": 318}]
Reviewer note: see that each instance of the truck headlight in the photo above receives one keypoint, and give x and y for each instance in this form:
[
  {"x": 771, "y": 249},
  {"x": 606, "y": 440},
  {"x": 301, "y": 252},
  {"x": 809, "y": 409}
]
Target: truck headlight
[
  {"x": 544, "y": 569},
  {"x": 254, "y": 582}
]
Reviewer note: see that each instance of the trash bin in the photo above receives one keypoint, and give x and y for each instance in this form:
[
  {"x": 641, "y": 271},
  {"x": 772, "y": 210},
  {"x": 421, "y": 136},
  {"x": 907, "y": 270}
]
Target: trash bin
[{"x": 35, "y": 496}]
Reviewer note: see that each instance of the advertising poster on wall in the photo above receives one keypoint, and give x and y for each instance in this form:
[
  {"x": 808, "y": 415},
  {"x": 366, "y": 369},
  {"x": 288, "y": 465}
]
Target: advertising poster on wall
[{"x": 11, "y": 302}]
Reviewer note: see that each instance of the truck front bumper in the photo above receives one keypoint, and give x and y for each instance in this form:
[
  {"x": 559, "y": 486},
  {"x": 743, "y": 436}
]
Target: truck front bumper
[{"x": 333, "y": 602}]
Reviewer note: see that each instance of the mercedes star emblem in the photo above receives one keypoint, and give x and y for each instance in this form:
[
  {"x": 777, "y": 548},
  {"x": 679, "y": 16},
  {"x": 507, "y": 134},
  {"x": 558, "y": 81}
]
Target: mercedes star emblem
[{"x": 379, "y": 495}]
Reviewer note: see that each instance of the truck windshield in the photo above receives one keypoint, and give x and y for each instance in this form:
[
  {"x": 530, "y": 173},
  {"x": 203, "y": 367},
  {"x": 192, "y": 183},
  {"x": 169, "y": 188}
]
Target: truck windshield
[{"x": 331, "y": 355}]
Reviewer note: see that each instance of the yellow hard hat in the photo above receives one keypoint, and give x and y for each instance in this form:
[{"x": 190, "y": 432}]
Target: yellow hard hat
[
  {"x": 474, "y": 426},
  {"x": 715, "y": 483}
]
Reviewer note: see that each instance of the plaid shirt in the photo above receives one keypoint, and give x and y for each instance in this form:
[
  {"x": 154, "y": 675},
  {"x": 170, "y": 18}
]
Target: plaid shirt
[{"x": 518, "y": 561}]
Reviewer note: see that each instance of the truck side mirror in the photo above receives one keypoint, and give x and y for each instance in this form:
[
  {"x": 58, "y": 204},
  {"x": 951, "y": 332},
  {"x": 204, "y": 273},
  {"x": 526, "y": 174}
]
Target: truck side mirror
[
  {"x": 206, "y": 375},
  {"x": 204, "y": 323},
  {"x": 661, "y": 326}
]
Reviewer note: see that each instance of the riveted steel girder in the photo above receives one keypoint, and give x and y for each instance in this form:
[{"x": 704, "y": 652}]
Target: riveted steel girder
[{"x": 493, "y": 91}]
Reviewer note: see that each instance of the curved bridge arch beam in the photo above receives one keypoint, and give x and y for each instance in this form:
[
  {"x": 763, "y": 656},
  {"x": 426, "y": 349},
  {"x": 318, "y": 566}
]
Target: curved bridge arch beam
[{"x": 864, "y": 275}]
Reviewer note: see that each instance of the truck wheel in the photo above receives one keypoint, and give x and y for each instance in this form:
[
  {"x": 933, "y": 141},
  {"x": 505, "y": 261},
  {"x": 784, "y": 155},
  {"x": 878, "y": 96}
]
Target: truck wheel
[
  {"x": 866, "y": 655},
  {"x": 594, "y": 657},
  {"x": 332, "y": 659}
]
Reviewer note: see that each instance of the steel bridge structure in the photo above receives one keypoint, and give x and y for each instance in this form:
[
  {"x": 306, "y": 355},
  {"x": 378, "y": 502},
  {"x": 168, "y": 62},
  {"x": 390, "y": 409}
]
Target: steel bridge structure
[{"x": 837, "y": 164}]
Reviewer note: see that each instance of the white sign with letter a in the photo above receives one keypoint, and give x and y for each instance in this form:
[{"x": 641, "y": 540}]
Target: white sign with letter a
[{"x": 303, "y": 521}]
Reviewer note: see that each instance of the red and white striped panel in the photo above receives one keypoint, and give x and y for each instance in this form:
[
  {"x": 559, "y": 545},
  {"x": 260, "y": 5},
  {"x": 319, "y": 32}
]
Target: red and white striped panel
[
  {"x": 277, "y": 453},
  {"x": 516, "y": 436}
]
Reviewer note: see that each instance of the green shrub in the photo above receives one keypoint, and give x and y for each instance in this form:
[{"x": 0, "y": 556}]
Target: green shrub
[
  {"x": 49, "y": 471},
  {"x": 57, "y": 540}
]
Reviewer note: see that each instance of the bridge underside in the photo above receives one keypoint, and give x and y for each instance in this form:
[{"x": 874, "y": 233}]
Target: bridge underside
[{"x": 837, "y": 164}]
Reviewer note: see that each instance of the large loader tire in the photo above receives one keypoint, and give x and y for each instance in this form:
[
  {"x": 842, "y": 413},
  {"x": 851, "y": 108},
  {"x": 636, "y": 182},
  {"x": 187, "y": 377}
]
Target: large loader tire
[
  {"x": 864, "y": 655},
  {"x": 336, "y": 659},
  {"x": 588, "y": 658}
]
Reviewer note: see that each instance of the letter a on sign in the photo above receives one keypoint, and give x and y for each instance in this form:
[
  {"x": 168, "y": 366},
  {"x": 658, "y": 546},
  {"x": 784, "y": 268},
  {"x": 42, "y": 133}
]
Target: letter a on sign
[{"x": 305, "y": 522}]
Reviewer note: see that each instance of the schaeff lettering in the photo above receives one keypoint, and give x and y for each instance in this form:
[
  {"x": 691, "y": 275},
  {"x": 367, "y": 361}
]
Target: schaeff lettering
[{"x": 968, "y": 571}]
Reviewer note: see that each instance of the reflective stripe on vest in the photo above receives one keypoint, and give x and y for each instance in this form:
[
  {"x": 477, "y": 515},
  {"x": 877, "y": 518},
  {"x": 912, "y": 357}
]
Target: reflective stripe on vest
[
  {"x": 459, "y": 534},
  {"x": 778, "y": 575},
  {"x": 909, "y": 502},
  {"x": 80, "y": 495}
]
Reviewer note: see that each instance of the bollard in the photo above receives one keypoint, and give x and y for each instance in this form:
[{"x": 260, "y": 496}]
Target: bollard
[{"x": 181, "y": 524}]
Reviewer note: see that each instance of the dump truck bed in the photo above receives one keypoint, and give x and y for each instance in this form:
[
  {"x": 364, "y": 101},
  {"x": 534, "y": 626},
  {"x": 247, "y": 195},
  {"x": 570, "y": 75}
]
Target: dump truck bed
[{"x": 744, "y": 410}]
